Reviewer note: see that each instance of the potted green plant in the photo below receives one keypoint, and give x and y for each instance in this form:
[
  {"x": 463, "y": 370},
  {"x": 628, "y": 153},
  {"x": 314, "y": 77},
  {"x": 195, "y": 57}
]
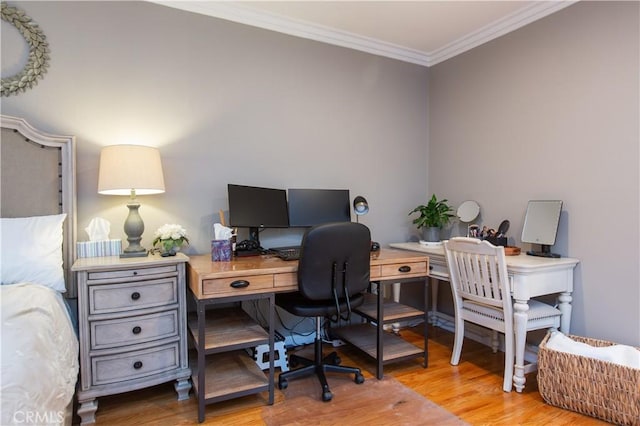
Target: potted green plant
[{"x": 433, "y": 216}]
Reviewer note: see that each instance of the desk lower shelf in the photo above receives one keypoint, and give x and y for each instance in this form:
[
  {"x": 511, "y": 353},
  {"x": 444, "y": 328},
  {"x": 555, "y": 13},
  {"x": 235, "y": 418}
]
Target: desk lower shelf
[
  {"x": 230, "y": 375},
  {"x": 382, "y": 346},
  {"x": 363, "y": 336},
  {"x": 392, "y": 311},
  {"x": 228, "y": 329}
]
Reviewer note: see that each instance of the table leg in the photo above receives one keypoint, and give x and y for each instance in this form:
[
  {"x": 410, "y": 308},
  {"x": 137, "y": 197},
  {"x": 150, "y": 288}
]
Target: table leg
[
  {"x": 564, "y": 305},
  {"x": 434, "y": 301},
  {"x": 520, "y": 317},
  {"x": 395, "y": 287}
]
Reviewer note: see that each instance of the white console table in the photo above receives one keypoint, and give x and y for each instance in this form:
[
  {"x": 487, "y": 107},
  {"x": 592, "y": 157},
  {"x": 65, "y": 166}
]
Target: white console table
[{"x": 530, "y": 276}]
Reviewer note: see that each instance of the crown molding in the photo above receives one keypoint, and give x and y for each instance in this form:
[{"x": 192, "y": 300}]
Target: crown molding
[
  {"x": 242, "y": 14},
  {"x": 509, "y": 23}
]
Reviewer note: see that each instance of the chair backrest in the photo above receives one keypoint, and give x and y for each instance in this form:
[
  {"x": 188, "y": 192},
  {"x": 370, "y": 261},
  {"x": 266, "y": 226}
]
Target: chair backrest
[
  {"x": 334, "y": 256},
  {"x": 478, "y": 272}
]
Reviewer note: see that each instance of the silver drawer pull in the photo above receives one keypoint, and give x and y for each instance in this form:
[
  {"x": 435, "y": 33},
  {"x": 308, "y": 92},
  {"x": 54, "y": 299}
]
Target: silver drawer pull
[
  {"x": 137, "y": 365},
  {"x": 136, "y": 330},
  {"x": 405, "y": 268},
  {"x": 239, "y": 284},
  {"x": 135, "y": 295}
]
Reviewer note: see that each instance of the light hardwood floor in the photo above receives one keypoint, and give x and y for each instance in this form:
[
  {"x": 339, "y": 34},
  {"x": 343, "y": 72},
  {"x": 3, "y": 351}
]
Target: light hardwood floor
[{"x": 472, "y": 390}]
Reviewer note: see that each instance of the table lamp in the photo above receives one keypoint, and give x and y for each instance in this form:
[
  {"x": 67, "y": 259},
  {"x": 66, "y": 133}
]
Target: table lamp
[
  {"x": 131, "y": 170},
  {"x": 360, "y": 206}
]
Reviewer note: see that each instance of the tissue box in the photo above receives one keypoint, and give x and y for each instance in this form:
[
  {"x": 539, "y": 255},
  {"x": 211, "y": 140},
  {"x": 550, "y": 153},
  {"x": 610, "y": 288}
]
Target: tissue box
[{"x": 99, "y": 248}]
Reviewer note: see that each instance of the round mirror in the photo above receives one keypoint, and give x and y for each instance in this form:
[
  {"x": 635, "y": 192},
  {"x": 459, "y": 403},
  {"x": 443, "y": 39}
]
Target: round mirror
[{"x": 468, "y": 211}]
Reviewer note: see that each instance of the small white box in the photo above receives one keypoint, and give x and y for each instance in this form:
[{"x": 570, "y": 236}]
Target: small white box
[{"x": 98, "y": 248}]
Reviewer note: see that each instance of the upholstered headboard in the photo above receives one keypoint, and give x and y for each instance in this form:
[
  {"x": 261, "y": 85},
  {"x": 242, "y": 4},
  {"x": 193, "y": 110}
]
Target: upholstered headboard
[{"x": 38, "y": 177}]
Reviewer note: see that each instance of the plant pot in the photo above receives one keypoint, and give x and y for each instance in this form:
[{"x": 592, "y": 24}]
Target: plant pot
[{"x": 431, "y": 234}]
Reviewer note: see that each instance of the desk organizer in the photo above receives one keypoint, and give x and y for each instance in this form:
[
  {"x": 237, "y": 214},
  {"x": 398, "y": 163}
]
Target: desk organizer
[{"x": 600, "y": 389}]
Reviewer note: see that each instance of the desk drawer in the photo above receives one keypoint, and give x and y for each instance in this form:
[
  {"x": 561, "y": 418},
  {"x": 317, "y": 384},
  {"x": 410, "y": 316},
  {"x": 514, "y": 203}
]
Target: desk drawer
[
  {"x": 439, "y": 270},
  {"x": 132, "y": 330},
  {"x": 286, "y": 280},
  {"x": 237, "y": 284},
  {"x": 127, "y": 296},
  {"x": 400, "y": 270},
  {"x": 133, "y": 365}
]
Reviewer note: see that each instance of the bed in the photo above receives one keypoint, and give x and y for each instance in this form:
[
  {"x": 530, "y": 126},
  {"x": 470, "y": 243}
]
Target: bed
[{"x": 39, "y": 362}]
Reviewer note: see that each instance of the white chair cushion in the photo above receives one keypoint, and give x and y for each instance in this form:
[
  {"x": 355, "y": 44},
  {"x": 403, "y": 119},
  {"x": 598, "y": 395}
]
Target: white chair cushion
[{"x": 537, "y": 310}]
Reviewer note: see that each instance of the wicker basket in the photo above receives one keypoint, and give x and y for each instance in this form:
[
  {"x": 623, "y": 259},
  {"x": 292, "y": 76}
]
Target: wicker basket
[{"x": 589, "y": 386}]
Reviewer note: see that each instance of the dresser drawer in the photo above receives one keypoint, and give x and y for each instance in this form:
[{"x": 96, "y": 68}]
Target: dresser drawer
[
  {"x": 122, "y": 297},
  {"x": 138, "y": 329},
  {"x": 133, "y": 273},
  {"x": 134, "y": 365},
  {"x": 237, "y": 285}
]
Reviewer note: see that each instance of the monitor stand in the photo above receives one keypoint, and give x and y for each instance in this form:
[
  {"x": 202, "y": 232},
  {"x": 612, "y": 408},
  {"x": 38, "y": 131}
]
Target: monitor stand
[{"x": 545, "y": 251}]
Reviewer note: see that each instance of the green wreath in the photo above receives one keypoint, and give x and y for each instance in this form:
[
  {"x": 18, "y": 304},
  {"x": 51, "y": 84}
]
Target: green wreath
[{"x": 38, "y": 51}]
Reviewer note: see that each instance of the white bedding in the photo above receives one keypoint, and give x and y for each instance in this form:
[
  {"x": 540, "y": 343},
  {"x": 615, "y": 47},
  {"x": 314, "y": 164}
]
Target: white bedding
[{"x": 39, "y": 355}]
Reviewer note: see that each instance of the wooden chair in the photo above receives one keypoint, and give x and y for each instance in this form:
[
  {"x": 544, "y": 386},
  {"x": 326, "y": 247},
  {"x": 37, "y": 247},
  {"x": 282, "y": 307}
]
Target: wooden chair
[{"x": 482, "y": 295}]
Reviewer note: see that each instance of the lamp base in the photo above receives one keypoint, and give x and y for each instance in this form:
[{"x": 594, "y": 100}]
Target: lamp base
[
  {"x": 134, "y": 254},
  {"x": 134, "y": 227}
]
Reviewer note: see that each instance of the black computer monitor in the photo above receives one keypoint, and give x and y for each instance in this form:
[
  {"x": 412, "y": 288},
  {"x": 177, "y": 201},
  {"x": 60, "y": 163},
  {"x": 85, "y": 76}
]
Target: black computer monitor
[
  {"x": 309, "y": 207},
  {"x": 257, "y": 208}
]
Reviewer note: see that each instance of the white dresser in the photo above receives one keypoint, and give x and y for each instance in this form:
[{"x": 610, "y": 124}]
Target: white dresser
[{"x": 132, "y": 326}]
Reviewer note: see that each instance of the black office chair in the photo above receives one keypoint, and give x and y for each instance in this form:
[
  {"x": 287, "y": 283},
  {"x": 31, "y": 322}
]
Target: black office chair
[{"x": 333, "y": 271}]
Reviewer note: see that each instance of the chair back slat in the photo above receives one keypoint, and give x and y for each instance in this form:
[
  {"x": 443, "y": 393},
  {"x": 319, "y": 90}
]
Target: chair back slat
[{"x": 479, "y": 272}]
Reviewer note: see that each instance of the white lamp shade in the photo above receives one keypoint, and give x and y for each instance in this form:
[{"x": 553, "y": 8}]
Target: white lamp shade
[{"x": 124, "y": 168}]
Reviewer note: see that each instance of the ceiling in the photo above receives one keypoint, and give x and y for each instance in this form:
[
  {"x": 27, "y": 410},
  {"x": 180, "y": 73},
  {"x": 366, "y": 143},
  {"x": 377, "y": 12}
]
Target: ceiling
[{"x": 420, "y": 32}]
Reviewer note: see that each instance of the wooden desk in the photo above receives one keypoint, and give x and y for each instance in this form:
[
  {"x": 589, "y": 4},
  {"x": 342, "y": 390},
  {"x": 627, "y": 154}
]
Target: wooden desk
[
  {"x": 260, "y": 277},
  {"x": 530, "y": 277}
]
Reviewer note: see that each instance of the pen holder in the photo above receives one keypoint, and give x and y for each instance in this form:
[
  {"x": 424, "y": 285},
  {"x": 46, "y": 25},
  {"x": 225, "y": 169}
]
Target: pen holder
[{"x": 221, "y": 250}]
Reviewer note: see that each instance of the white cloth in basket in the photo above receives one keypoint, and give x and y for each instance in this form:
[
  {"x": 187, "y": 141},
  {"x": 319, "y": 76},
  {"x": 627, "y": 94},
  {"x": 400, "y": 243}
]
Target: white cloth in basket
[{"x": 627, "y": 356}]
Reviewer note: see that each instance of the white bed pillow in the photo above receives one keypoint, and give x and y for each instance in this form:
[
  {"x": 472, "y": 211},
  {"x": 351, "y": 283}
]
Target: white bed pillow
[{"x": 32, "y": 250}]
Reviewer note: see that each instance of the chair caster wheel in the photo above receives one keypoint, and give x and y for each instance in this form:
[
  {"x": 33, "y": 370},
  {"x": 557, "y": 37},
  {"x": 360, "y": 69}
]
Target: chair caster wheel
[
  {"x": 282, "y": 384},
  {"x": 359, "y": 379},
  {"x": 326, "y": 396}
]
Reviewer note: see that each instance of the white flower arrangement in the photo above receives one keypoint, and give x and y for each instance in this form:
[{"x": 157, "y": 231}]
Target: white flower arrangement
[{"x": 170, "y": 237}]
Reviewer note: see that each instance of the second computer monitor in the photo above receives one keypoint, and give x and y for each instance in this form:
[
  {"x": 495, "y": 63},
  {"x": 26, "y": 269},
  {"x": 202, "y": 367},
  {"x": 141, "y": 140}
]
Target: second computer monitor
[{"x": 310, "y": 207}]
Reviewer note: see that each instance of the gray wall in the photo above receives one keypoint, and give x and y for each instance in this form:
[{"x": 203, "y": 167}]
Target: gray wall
[
  {"x": 226, "y": 103},
  {"x": 551, "y": 112}
]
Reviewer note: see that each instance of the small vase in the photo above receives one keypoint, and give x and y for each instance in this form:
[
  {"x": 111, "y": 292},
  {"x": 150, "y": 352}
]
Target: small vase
[
  {"x": 166, "y": 250},
  {"x": 170, "y": 252}
]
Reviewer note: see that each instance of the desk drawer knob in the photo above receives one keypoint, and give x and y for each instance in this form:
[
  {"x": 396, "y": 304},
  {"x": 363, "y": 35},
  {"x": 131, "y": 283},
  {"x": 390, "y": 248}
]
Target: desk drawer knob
[
  {"x": 239, "y": 284},
  {"x": 137, "y": 365},
  {"x": 135, "y": 295},
  {"x": 405, "y": 268},
  {"x": 136, "y": 330}
]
